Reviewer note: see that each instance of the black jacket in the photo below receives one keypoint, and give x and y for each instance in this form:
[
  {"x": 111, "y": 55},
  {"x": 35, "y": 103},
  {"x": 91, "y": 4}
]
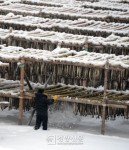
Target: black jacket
[{"x": 41, "y": 103}]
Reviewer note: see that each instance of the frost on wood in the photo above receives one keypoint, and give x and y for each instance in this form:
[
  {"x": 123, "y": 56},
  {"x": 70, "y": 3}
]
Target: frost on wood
[
  {"x": 83, "y": 26},
  {"x": 40, "y": 39},
  {"x": 64, "y": 55},
  {"x": 66, "y": 13}
]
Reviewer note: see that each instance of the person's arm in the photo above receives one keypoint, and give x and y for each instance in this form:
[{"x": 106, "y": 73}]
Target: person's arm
[
  {"x": 51, "y": 101},
  {"x": 35, "y": 102}
]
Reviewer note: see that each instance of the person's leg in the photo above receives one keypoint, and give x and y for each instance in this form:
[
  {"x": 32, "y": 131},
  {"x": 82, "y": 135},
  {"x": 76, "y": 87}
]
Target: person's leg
[
  {"x": 45, "y": 121},
  {"x": 38, "y": 122}
]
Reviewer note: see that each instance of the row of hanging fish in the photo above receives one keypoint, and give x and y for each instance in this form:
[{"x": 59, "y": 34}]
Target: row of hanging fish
[
  {"x": 95, "y": 111},
  {"x": 68, "y": 67}
]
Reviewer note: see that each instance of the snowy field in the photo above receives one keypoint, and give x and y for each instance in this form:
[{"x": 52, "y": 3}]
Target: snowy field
[{"x": 65, "y": 131}]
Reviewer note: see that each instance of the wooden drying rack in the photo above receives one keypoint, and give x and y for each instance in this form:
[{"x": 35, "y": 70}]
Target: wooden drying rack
[{"x": 104, "y": 101}]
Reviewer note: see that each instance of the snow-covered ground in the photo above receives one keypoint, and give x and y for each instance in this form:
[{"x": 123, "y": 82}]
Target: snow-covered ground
[{"x": 65, "y": 131}]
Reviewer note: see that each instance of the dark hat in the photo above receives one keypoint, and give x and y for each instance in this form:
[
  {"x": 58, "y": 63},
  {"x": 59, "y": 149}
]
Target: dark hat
[{"x": 40, "y": 90}]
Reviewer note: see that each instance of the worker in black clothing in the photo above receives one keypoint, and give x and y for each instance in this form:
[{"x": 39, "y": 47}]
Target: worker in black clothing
[{"x": 41, "y": 106}]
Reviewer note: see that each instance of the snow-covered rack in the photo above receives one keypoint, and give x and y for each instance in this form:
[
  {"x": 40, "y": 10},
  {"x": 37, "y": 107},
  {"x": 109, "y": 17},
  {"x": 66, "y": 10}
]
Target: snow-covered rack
[
  {"x": 85, "y": 100},
  {"x": 65, "y": 12},
  {"x": 107, "y": 5},
  {"x": 55, "y": 3},
  {"x": 3, "y": 104},
  {"x": 110, "y": 5},
  {"x": 48, "y": 40},
  {"x": 80, "y": 26},
  {"x": 68, "y": 66},
  {"x": 64, "y": 56},
  {"x": 40, "y": 39}
]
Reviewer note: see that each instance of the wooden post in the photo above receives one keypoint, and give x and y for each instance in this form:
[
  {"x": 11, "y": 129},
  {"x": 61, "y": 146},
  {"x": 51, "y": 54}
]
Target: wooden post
[
  {"x": 85, "y": 47},
  {"x": 40, "y": 12},
  {"x": 21, "y": 65},
  {"x": 104, "y": 99},
  {"x": 9, "y": 39},
  {"x": 59, "y": 45}
]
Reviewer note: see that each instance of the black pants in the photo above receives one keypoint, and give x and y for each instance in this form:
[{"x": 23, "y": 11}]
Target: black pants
[{"x": 41, "y": 119}]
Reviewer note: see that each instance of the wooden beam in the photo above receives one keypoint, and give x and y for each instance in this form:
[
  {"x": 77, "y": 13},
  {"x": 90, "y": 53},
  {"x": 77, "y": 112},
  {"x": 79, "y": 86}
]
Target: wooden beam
[
  {"x": 20, "y": 116},
  {"x": 104, "y": 98},
  {"x": 91, "y": 102}
]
